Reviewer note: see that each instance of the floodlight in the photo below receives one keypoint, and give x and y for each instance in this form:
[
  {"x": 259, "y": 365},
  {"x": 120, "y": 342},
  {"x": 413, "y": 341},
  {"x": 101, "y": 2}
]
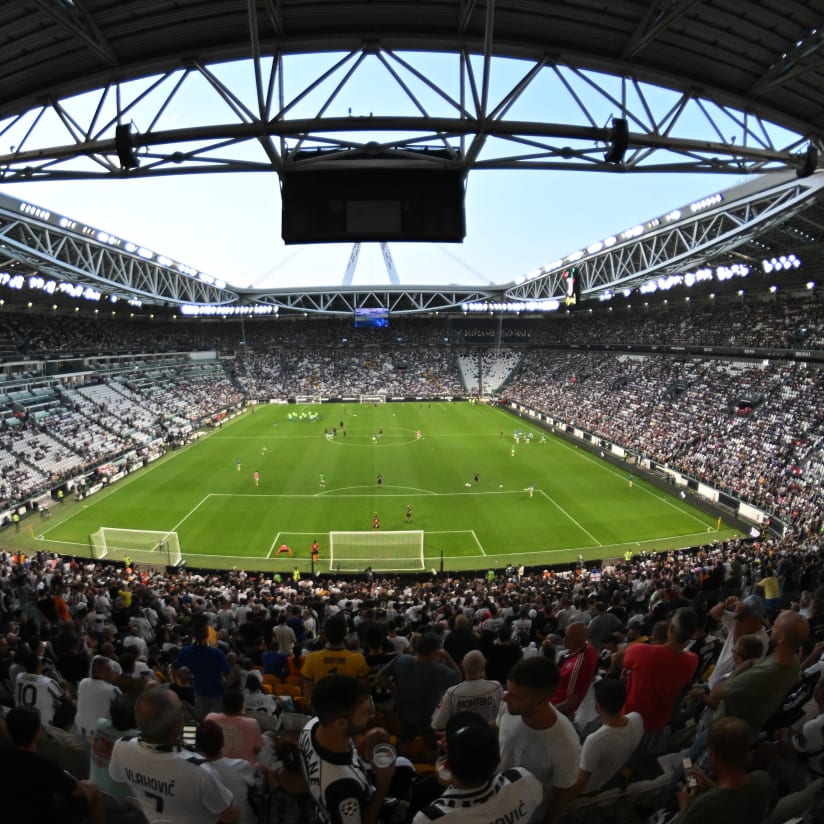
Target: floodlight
[
  {"x": 618, "y": 141},
  {"x": 125, "y": 147},
  {"x": 809, "y": 162}
]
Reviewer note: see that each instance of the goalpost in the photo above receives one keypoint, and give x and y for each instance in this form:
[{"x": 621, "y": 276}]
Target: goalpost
[
  {"x": 384, "y": 551},
  {"x": 141, "y": 545},
  {"x": 372, "y": 399}
]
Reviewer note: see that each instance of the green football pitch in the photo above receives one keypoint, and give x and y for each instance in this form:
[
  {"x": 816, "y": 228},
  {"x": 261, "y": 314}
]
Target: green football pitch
[{"x": 427, "y": 454}]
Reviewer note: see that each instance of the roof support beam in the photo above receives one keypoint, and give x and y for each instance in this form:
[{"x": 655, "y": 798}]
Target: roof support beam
[
  {"x": 80, "y": 23},
  {"x": 660, "y": 15},
  {"x": 805, "y": 57}
]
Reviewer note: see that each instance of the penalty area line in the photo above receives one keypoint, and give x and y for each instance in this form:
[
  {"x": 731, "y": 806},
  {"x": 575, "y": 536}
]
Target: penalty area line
[
  {"x": 564, "y": 512},
  {"x": 617, "y": 473},
  {"x": 190, "y": 513}
]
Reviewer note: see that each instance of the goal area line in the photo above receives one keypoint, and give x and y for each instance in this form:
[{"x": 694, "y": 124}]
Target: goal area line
[{"x": 365, "y": 548}]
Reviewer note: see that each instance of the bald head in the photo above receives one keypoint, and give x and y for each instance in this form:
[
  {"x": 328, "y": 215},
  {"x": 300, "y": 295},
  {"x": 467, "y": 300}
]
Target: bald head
[
  {"x": 790, "y": 630},
  {"x": 473, "y": 664},
  {"x": 159, "y": 716},
  {"x": 575, "y": 636}
]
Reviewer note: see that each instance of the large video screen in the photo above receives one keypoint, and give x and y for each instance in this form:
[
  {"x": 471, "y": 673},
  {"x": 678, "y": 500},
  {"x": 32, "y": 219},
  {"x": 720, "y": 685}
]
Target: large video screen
[{"x": 373, "y": 317}]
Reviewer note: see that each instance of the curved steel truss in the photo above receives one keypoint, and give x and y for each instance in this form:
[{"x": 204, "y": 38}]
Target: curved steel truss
[
  {"x": 399, "y": 300},
  {"x": 36, "y": 243},
  {"x": 682, "y": 240},
  {"x": 57, "y": 251},
  {"x": 470, "y": 111},
  {"x": 63, "y": 257}
]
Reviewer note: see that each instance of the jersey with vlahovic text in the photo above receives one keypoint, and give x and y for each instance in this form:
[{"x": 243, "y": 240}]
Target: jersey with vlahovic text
[
  {"x": 171, "y": 783},
  {"x": 511, "y": 796}
]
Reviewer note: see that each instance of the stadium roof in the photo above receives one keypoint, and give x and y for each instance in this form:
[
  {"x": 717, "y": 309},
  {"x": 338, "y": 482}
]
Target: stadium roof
[
  {"x": 747, "y": 65},
  {"x": 764, "y": 57}
]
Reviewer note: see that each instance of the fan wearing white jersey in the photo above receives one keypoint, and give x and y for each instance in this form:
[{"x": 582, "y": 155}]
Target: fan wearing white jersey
[
  {"x": 172, "y": 783},
  {"x": 94, "y": 696},
  {"x": 33, "y": 689},
  {"x": 476, "y": 794},
  {"x": 474, "y": 694}
]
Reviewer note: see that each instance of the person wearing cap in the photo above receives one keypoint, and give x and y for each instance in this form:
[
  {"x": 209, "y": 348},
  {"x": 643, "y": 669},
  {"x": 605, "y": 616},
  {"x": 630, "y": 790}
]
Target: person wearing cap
[
  {"x": 476, "y": 793},
  {"x": 737, "y": 618}
]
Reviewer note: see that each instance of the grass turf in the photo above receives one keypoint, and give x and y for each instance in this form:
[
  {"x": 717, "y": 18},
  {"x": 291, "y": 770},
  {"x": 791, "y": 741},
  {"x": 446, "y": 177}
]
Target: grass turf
[{"x": 581, "y": 504}]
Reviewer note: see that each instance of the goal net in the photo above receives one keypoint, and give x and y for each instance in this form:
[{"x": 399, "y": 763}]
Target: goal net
[
  {"x": 141, "y": 545},
  {"x": 384, "y": 551},
  {"x": 372, "y": 398}
]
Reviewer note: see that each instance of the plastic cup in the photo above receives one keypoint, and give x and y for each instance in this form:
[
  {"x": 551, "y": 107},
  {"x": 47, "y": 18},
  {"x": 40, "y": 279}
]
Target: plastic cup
[
  {"x": 383, "y": 755},
  {"x": 444, "y": 774}
]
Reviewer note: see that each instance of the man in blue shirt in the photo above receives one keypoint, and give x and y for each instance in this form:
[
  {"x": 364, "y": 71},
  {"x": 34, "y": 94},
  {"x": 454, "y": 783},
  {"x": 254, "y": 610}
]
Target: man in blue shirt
[{"x": 209, "y": 667}]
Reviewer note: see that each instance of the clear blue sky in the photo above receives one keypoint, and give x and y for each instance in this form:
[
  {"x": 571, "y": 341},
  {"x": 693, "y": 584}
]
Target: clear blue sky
[{"x": 229, "y": 225}]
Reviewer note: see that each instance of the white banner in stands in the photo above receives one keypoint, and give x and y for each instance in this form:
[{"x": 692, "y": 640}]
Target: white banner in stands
[{"x": 752, "y": 514}]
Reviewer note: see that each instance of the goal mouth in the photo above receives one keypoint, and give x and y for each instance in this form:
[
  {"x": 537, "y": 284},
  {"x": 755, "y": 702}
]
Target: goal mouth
[
  {"x": 378, "y": 550},
  {"x": 144, "y": 546}
]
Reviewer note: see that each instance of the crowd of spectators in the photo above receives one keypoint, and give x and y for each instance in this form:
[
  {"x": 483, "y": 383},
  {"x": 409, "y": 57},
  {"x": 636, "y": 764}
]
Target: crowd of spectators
[
  {"x": 775, "y": 323},
  {"x": 791, "y": 324},
  {"x": 416, "y": 371},
  {"x": 127, "y": 417},
  {"x": 753, "y": 429},
  {"x": 587, "y": 674}
]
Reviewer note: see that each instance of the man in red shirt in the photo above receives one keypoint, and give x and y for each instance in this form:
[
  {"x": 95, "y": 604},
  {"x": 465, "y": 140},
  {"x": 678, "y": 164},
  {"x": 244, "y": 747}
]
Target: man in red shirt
[
  {"x": 577, "y": 670},
  {"x": 657, "y": 674}
]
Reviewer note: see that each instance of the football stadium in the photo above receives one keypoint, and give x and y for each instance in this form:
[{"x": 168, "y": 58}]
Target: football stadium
[{"x": 411, "y": 524}]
